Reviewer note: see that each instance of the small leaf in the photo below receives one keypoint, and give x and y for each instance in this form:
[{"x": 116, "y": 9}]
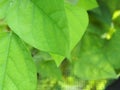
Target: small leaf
[{"x": 57, "y": 58}]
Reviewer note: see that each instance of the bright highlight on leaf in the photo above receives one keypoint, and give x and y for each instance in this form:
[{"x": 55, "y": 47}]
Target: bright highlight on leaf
[{"x": 116, "y": 14}]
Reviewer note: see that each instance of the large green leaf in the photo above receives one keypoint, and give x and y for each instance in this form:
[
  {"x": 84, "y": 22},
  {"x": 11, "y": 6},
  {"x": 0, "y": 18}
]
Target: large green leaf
[
  {"x": 46, "y": 24},
  {"x": 77, "y": 26},
  {"x": 76, "y": 22},
  {"x": 98, "y": 52},
  {"x": 112, "y": 49},
  {"x": 110, "y": 31},
  {"x": 17, "y": 70},
  {"x": 41, "y": 23},
  {"x": 93, "y": 55}
]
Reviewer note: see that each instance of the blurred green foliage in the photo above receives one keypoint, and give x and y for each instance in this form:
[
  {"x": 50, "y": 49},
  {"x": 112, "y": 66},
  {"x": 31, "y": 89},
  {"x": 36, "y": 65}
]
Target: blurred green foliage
[{"x": 95, "y": 59}]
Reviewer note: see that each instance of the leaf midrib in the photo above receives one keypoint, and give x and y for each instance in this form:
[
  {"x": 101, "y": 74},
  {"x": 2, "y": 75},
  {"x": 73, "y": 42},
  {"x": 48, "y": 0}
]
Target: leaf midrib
[
  {"x": 53, "y": 21},
  {"x": 6, "y": 61}
]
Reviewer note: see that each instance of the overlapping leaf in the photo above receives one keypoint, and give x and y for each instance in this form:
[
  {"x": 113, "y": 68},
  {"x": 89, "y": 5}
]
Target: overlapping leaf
[
  {"x": 77, "y": 26},
  {"x": 76, "y": 22},
  {"x": 45, "y": 24},
  {"x": 42, "y": 25}
]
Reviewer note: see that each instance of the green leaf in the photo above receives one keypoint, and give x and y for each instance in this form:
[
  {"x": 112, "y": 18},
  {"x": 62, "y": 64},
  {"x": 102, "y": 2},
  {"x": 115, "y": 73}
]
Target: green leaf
[
  {"x": 46, "y": 25},
  {"x": 41, "y": 24},
  {"x": 57, "y": 58},
  {"x": 90, "y": 57},
  {"x": 77, "y": 26},
  {"x": 17, "y": 70},
  {"x": 113, "y": 5},
  {"x": 50, "y": 70},
  {"x": 76, "y": 22},
  {"x": 109, "y": 30},
  {"x": 87, "y": 4},
  {"x": 46, "y": 67},
  {"x": 112, "y": 49}
]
